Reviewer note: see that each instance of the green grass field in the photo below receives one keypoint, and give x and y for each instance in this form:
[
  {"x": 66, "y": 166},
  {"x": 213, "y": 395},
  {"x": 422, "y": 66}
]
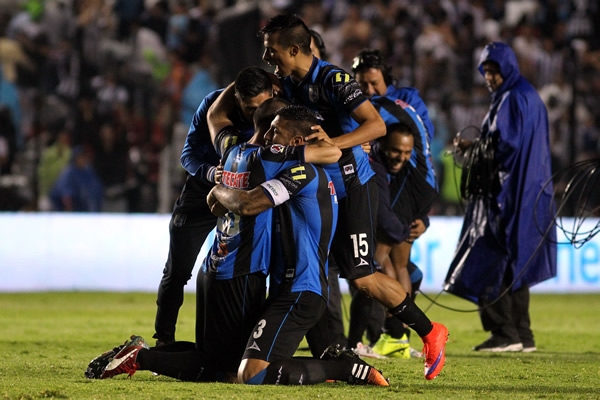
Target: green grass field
[{"x": 47, "y": 339}]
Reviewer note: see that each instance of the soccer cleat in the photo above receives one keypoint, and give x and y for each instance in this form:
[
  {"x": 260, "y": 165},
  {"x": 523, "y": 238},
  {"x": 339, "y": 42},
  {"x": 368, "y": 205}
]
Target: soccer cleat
[
  {"x": 97, "y": 365},
  {"x": 124, "y": 362},
  {"x": 364, "y": 374},
  {"x": 434, "y": 350},
  {"x": 361, "y": 372},
  {"x": 392, "y": 347},
  {"x": 363, "y": 350}
]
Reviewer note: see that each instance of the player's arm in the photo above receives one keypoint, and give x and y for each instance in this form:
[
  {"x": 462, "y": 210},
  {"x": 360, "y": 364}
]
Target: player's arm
[
  {"x": 240, "y": 202},
  {"x": 218, "y": 114},
  {"x": 371, "y": 127},
  {"x": 198, "y": 157},
  {"x": 320, "y": 148},
  {"x": 269, "y": 194}
]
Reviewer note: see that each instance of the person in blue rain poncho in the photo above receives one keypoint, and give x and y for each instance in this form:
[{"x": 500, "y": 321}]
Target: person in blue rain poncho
[{"x": 508, "y": 240}]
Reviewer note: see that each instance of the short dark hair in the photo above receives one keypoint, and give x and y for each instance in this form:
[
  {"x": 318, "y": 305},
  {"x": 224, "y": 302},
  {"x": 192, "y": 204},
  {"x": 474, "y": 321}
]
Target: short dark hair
[
  {"x": 303, "y": 118},
  {"x": 372, "y": 58},
  {"x": 397, "y": 127},
  {"x": 293, "y": 31},
  {"x": 400, "y": 127},
  {"x": 265, "y": 113},
  {"x": 252, "y": 81}
]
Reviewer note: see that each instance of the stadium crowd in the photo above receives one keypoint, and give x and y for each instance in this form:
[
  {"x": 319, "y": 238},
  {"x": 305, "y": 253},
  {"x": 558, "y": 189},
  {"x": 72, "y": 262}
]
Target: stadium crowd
[{"x": 117, "y": 81}]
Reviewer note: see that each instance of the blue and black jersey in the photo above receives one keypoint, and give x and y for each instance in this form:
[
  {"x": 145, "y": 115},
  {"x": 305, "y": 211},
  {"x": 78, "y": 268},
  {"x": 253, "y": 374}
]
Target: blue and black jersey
[
  {"x": 410, "y": 96},
  {"x": 243, "y": 244},
  {"x": 333, "y": 94},
  {"x": 304, "y": 228},
  {"x": 394, "y": 111}
]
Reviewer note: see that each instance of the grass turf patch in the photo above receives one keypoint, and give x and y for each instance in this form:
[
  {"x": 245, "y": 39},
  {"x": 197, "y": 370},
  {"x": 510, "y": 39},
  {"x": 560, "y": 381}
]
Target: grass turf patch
[{"x": 47, "y": 339}]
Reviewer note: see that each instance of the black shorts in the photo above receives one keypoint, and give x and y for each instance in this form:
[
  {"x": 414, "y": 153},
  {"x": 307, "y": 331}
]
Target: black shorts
[
  {"x": 283, "y": 325},
  {"x": 353, "y": 244},
  {"x": 227, "y": 311}
]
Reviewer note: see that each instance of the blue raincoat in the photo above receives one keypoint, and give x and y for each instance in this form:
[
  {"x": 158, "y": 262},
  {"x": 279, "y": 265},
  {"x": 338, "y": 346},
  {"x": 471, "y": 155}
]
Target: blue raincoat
[{"x": 507, "y": 231}]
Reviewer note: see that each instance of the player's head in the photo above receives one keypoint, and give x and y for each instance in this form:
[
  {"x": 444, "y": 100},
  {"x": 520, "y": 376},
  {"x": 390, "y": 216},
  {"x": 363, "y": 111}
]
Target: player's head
[
  {"x": 291, "y": 124},
  {"x": 371, "y": 72},
  {"x": 397, "y": 144},
  {"x": 317, "y": 45},
  {"x": 286, "y": 39},
  {"x": 265, "y": 114},
  {"x": 253, "y": 85}
]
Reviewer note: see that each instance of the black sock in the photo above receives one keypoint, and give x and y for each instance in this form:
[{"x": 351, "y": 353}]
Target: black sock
[
  {"x": 395, "y": 328},
  {"x": 301, "y": 371},
  {"x": 183, "y": 365},
  {"x": 409, "y": 313},
  {"x": 360, "y": 311}
]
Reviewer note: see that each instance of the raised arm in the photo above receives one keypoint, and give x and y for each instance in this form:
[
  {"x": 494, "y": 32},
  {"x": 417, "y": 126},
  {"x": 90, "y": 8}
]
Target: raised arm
[{"x": 218, "y": 114}]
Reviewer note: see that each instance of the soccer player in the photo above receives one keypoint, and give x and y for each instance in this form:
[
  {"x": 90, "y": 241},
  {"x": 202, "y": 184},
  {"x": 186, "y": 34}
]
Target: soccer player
[
  {"x": 191, "y": 220},
  {"x": 375, "y": 79},
  {"x": 298, "y": 274},
  {"x": 406, "y": 197},
  {"x": 337, "y": 366},
  {"x": 350, "y": 120}
]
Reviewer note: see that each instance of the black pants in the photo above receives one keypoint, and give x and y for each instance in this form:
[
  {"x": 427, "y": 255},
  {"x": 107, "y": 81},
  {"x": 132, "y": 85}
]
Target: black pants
[
  {"x": 187, "y": 231},
  {"x": 508, "y": 318}
]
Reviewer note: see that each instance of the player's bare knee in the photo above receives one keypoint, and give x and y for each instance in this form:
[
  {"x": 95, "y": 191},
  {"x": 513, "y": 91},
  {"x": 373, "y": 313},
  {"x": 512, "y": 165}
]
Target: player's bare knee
[{"x": 249, "y": 368}]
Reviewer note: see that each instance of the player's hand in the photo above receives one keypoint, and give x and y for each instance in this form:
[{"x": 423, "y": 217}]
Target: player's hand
[
  {"x": 276, "y": 84},
  {"x": 366, "y": 147},
  {"x": 318, "y": 135},
  {"x": 417, "y": 228},
  {"x": 218, "y": 174},
  {"x": 215, "y": 207}
]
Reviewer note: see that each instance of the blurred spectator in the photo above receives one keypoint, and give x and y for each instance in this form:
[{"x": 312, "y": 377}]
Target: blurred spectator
[
  {"x": 127, "y": 13},
  {"x": 110, "y": 93},
  {"x": 78, "y": 188},
  {"x": 8, "y": 142},
  {"x": 156, "y": 18},
  {"x": 177, "y": 25},
  {"x": 111, "y": 163},
  {"x": 55, "y": 53},
  {"x": 54, "y": 159}
]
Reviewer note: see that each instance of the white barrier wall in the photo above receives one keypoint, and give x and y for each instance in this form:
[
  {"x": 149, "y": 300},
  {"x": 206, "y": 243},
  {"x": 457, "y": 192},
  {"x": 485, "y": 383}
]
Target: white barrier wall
[{"x": 117, "y": 252}]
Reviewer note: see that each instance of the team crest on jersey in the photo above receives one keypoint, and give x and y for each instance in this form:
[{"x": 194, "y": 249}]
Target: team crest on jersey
[
  {"x": 277, "y": 148},
  {"x": 313, "y": 93},
  {"x": 348, "y": 169}
]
